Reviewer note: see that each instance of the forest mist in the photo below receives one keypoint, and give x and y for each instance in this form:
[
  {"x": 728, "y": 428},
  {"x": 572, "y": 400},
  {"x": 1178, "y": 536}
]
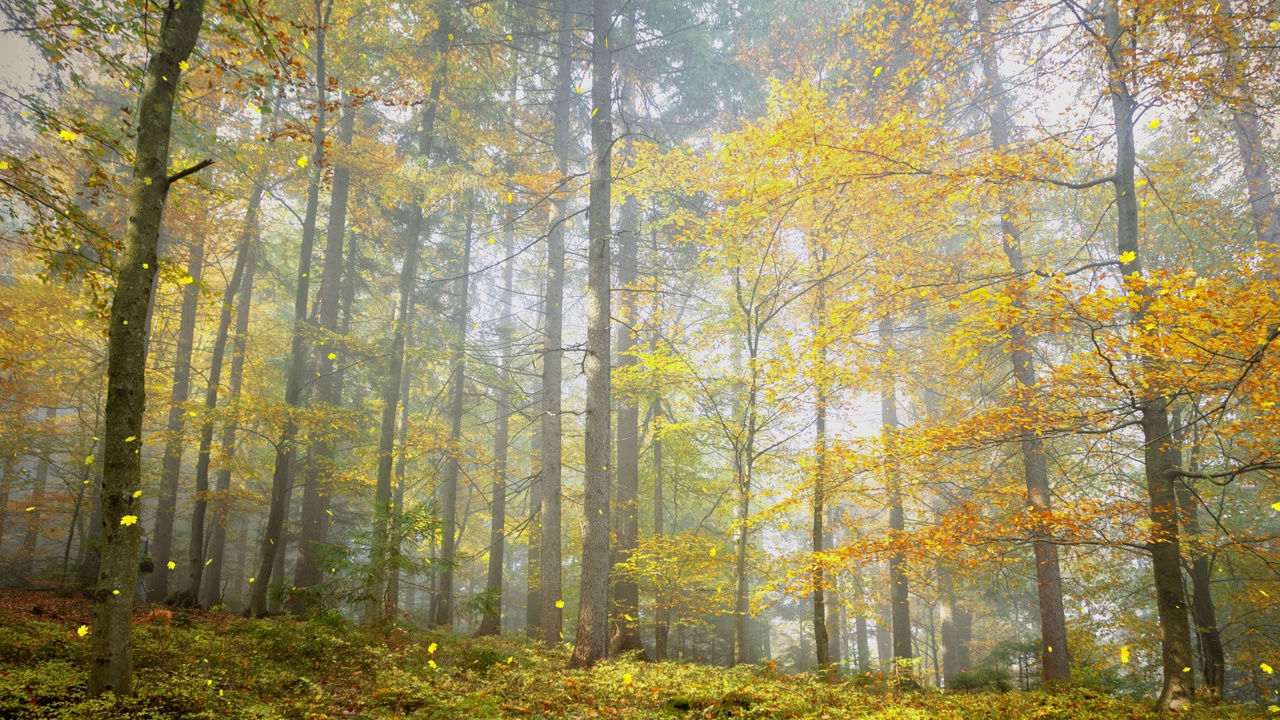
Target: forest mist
[{"x": 915, "y": 339}]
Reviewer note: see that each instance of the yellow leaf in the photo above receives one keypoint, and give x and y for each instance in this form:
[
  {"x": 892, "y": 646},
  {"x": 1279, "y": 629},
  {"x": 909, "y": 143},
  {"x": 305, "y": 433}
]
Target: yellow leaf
[
  {"x": 131, "y": 438},
  {"x": 432, "y": 663},
  {"x": 146, "y": 181},
  {"x": 302, "y": 162},
  {"x": 333, "y": 356},
  {"x": 186, "y": 280},
  {"x": 33, "y": 507},
  {"x": 1153, "y": 124},
  {"x": 4, "y": 165},
  {"x": 1266, "y": 668},
  {"x": 713, "y": 552},
  {"x": 84, "y": 630},
  {"x": 137, "y": 493},
  {"x": 1128, "y": 257},
  {"x": 1275, "y": 506},
  {"x": 172, "y": 565},
  {"x": 128, "y": 520},
  {"x": 1124, "y": 655},
  {"x": 879, "y": 70},
  {"x": 182, "y": 65},
  {"x": 511, "y": 659},
  {"x": 431, "y": 648},
  {"x": 560, "y": 603},
  {"x": 626, "y": 678},
  {"x": 1275, "y": 25},
  {"x": 115, "y": 592},
  {"x": 88, "y": 460},
  {"x": 67, "y": 135}
]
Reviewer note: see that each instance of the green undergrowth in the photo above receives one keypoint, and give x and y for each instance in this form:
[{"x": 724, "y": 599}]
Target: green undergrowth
[{"x": 224, "y": 667}]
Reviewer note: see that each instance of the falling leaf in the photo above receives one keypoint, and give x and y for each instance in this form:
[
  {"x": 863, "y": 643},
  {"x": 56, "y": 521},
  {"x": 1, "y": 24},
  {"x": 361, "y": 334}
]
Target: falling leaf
[
  {"x": 115, "y": 592},
  {"x": 131, "y": 438},
  {"x": 88, "y": 460},
  {"x": 67, "y": 135},
  {"x": 4, "y": 165},
  {"x": 302, "y": 162},
  {"x": 1124, "y": 655},
  {"x": 33, "y": 507},
  {"x": 1266, "y": 668},
  {"x": 146, "y": 181},
  {"x": 431, "y": 648},
  {"x": 1275, "y": 506},
  {"x": 129, "y": 520},
  {"x": 560, "y": 603},
  {"x": 626, "y": 678},
  {"x": 84, "y": 630},
  {"x": 333, "y": 356},
  {"x": 1153, "y": 124},
  {"x": 172, "y": 565},
  {"x": 713, "y": 552},
  {"x": 137, "y": 493},
  {"x": 432, "y": 663},
  {"x": 1128, "y": 257},
  {"x": 879, "y": 69}
]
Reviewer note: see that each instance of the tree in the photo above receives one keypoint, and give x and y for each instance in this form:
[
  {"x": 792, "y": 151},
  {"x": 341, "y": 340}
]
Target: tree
[
  {"x": 111, "y": 653},
  {"x": 591, "y": 641}
]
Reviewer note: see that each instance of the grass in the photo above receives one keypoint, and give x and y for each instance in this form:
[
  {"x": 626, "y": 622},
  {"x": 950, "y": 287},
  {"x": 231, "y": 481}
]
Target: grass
[{"x": 223, "y": 667}]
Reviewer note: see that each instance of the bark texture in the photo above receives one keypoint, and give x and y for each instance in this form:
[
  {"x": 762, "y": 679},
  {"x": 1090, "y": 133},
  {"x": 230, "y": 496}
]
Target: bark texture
[
  {"x": 110, "y": 647},
  {"x": 591, "y": 641}
]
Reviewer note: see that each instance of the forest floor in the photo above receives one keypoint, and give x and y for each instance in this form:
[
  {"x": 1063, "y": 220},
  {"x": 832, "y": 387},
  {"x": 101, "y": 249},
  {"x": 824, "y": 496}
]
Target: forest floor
[{"x": 217, "y": 665}]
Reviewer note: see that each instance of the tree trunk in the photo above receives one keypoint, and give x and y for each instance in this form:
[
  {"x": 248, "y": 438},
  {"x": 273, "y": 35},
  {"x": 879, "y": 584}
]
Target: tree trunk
[
  {"x": 821, "y": 639},
  {"x": 314, "y": 522},
  {"x": 591, "y": 642},
  {"x": 211, "y": 586},
  {"x": 626, "y": 591},
  {"x": 1178, "y": 690},
  {"x": 1212, "y": 656},
  {"x": 491, "y": 623},
  {"x": 408, "y": 281},
  {"x": 36, "y": 500},
  {"x": 174, "y": 442},
  {"x": 864, "y": 650},
  {"x": 190, "y": 595},
  {"x": 1055, "y": 657},
  {"x": 286, "y": 451},
  {"x": 660, "y": 626},
  {"x": 6, "y": 483},
  {"x": 111, "y": 652},
  {"x": 1245, "y": 121},
  {"x": 452, "y": 465},
  {"x": 550, "y": 572},
  {"x": 899, "y": 583}
]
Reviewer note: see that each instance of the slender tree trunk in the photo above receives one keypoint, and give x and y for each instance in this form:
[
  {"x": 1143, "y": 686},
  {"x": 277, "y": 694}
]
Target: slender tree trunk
[
  {"x": 744, "y": 465},
  {"x": 211, "y": 586},
  {"x": 314, "y": 522},
  {"x": 662, "y": 617},
  {"x": 111, "y": 652},
  {"x": 452, "y": 466},
  {"x": 491, "y": 623},
  {"x": 6, "y": 483},
  {"x": 1246, "y": 122},
  {"x": 626, "y": 600},
  {"x": 190, "y": 595},
  {"x": 174, "y": 443},
  {"x": 1178, "y": 690},
  {"x": 821, "y": 638},
  {"x": 864, "y": 650},
  {"x": 36, "y": 500},
  {"x": 402, "y": 459},
  {"x": 1055, "y": 657},
  {"x": 408, "y": 282},
  {"x": 286, "y": 450},
  {"x": 1212, "y": 656},
  {"x": 591, "y": 641},
  {"x": 550, "y": 572},
  {"x": 533, "y": 601},
  {"x": 899, "y": 583}
]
